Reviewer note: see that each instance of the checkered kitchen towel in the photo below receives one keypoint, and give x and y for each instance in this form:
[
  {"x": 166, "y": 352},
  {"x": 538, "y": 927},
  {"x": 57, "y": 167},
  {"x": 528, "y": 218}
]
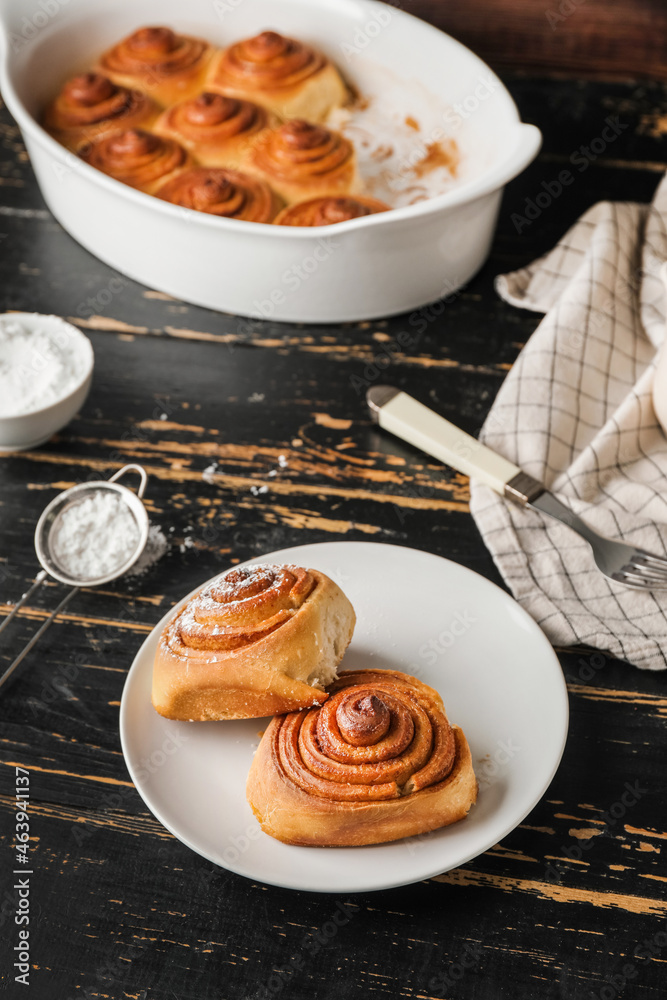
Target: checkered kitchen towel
[{"x": 576, "y": 412}]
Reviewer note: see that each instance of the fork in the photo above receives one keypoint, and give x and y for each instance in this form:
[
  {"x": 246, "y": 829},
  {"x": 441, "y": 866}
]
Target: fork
[{"x": 409, "y": 419}]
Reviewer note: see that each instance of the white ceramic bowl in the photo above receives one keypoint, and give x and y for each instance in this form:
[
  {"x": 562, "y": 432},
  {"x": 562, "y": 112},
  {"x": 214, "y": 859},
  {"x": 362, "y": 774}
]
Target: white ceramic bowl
[
  {"x": 28, "y": 430},
  {"x": 364, "y": 268}
]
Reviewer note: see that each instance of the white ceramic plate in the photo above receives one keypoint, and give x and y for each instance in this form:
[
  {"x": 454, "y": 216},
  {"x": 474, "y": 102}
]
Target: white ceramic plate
[{"x": 498, "y": 676}]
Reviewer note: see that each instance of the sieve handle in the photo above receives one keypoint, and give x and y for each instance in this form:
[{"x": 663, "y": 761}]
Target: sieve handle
[{"x": 133, "y": 468}]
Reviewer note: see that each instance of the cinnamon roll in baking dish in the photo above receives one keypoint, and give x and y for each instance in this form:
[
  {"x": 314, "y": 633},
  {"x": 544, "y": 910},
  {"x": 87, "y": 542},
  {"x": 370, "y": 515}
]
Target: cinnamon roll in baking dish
[
  {"x": 283, "y": 74},
  {"x": 329, "y": 210},
  {"x": 376, "y": 762},
  {"x": 90, "y": 106},
  {"x": 218, "y": 130},
  {"x": 167, "y": 65},
  {"x": 218, "y": 191},
  {"x": 138, "y": 158},
  {"x": 301, "y": 160},
  {"x": 255, "y": 641}
]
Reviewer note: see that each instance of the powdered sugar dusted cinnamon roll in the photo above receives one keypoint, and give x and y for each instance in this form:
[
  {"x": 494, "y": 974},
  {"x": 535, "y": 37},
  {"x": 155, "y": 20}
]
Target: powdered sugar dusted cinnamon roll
[{"x": 255, "y": 641}]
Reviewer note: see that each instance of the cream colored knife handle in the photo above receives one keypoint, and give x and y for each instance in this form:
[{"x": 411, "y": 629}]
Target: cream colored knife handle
[{"x": 399, "y": 413}]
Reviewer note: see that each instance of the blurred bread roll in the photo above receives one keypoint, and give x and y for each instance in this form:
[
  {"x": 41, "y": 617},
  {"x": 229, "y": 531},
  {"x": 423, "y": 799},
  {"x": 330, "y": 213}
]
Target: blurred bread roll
[
  {"x": 136, "y": 157},
  {"x": 301, "y": 160},
  {"x": 90, "y": 106},
  {"x": 217, "y": 130},
  {"x": 329, "y": 210},
  {"x": 291, "y": 78},
  {"x": 166, "y": 65},
  {"x": 230, "y": 194}
]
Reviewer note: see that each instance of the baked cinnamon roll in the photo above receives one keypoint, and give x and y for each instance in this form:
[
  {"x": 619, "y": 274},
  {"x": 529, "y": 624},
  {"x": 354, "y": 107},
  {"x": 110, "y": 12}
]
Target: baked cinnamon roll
[
  {"x": 283, "y": 74},
  {"x": 138, "y": 158},
  {"x": 90, "y": 106},
  {"x": 328, "y": 211},
  {"x": 168, "y": 66},
  {"x": 218, "y": 191},
  {"x": 218, "y": 130},
  {"x": 376, "y": 762},
  {"x": 255, "y": 641},
  {"x": 300, "y": 160}
]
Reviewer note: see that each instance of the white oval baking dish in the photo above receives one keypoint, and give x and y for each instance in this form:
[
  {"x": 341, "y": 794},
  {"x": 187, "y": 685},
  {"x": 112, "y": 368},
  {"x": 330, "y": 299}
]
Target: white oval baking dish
[{"x": 370, "y": 267}]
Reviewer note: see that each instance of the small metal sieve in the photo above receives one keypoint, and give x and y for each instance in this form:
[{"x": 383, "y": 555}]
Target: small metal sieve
[{"x": 50, "y": 519}]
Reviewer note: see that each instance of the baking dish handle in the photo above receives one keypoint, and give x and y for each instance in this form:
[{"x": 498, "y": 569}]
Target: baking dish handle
[{"x": 525, "y": 149}]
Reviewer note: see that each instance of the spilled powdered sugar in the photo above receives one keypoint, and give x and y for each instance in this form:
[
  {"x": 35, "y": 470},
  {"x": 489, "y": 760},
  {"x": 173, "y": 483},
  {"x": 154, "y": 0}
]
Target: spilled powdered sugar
[
  {"x": 208, "y": 475},
  {"x": 156, "y": 546}
]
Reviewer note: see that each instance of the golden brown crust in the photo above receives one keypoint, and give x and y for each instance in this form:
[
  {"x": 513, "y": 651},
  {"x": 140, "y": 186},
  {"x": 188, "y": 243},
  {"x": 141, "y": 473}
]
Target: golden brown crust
[
  {"x": 256, "y": 641},
  {"x": 285, "y": 75},
  {"x": 329, "y": 210},
  {"x": 136, "y": 157},
  {"x": 301, "y": 160},
  {"x": 90, "y": 106},
  {"x": 218, "y": 130},
  {"x": 218, "y": 191},
  {"x": 377, "y": 762},
  {"x": 168, "y": 66}
]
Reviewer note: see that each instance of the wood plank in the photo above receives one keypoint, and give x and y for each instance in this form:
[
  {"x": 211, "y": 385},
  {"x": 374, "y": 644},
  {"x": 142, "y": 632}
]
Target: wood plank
[{"x": 583, "y": 38}]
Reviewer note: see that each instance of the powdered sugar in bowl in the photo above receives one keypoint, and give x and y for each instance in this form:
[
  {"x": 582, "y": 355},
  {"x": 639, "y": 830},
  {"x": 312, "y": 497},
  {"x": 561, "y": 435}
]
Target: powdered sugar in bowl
[{"x": 46, "y": 366}]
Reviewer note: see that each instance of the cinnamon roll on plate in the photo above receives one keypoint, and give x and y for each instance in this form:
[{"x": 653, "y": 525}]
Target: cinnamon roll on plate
[
  {"x": 90, "y": 106},
  {"x": 217, "y": 129},
  {"x": 378, "y": 761},
  {"x": 301, "y": 160},
  {"x": 284, "y": 74},
  {"x": 255, "y": 641},
  {"x": 167, "y": 65}
]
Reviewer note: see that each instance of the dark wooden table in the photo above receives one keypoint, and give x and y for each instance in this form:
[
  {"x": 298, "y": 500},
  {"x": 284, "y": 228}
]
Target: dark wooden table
[{"x": 572, "y": 903}]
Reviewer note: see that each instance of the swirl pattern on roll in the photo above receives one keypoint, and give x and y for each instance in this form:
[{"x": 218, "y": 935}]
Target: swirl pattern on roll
[
  {"x": 91, "y": 102},
  {"x": 300, "y": 152},
  {"x": 329, "y": 210},
  {"x": 228, "y": 193},
  {"x": 213, "y": 118},
  {"x": 240, "y": 608},
  {"x": 379, "y": 736},
  {"x": 268, "y": 61},
  {"x": 135, "y": 157},
  {"x": 154, "y": 52}
]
